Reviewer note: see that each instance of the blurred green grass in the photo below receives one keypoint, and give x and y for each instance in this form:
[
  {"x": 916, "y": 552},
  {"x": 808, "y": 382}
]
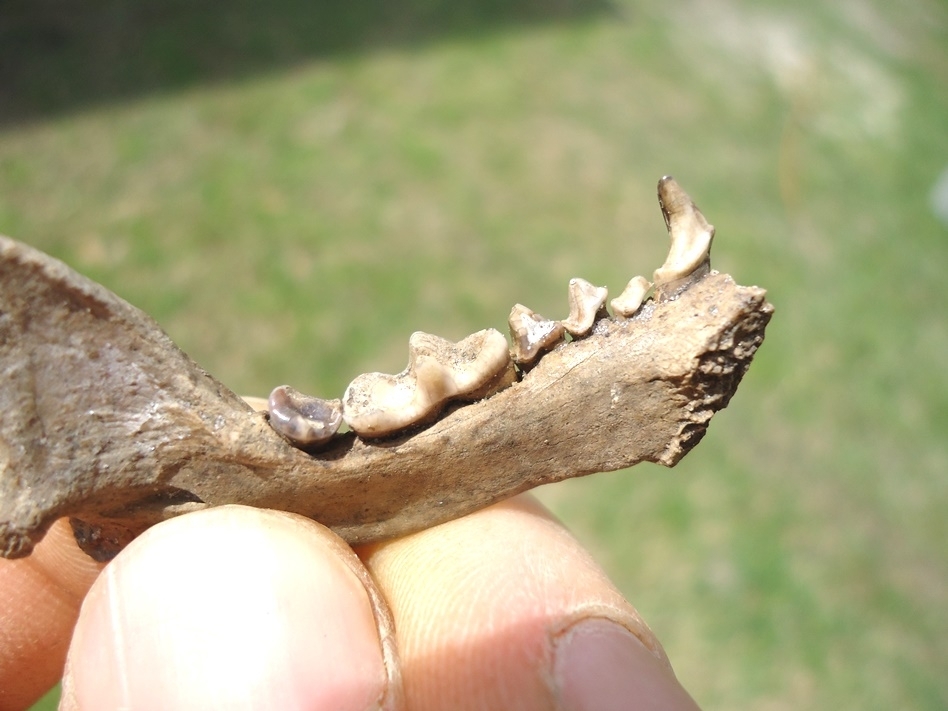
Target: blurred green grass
[{"x": 291, "y": 211}]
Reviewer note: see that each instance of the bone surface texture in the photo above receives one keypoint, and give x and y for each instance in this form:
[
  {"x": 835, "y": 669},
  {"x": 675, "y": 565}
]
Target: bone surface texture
[{"x": 104, "y": 420}]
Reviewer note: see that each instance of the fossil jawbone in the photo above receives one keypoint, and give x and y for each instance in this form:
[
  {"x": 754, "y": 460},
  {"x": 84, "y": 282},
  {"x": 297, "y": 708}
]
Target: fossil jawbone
[{"x": 105, "y": 420}]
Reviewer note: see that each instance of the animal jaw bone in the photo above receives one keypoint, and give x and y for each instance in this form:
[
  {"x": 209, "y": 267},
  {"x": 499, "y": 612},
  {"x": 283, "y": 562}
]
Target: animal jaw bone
[{"x": 137, "y": 432}]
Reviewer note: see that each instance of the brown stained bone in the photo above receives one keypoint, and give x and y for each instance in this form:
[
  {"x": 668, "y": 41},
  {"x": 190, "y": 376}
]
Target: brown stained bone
[{"x": 105, "y": 420}]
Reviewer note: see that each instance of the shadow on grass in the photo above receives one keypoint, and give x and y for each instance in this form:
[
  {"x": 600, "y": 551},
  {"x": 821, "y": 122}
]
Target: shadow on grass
[{"x": 59, "y": 55}]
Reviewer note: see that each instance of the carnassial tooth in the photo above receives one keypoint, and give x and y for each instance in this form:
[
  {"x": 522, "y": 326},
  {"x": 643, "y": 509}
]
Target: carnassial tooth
[
  {"x": 631, "y": 298},
  {"x": 304, "y": 420},
  {"x": 585, "y": 301},
  {"x": 691, "y": 234},
  {"x": 377, "y": 404},
  {"x": 532, "y": 334}
]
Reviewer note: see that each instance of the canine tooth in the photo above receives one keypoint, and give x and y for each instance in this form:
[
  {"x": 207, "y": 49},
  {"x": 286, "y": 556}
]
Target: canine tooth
[
  {"x": 378, "y": 404},
  {"x": 532, "y": 334},
  {"x": 631, "y": 298},
  {"x": 691, "y": 235},
  {"x": 585, "y": 301},
  {"x": 304, "y": 420}
]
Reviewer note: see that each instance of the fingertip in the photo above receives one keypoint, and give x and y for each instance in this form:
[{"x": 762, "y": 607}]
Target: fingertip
[
  {"x": 230, "y": 607},
  {"x": 599, "y": 665},
  {"x": 483, "y": 604}
]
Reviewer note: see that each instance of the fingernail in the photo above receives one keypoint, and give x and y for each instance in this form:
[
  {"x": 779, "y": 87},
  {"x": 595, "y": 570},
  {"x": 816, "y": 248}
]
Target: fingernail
[{"x": 598, "y": 665}]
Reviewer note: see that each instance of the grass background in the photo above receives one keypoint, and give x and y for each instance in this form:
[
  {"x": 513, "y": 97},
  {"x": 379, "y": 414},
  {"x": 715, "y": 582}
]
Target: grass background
[{"x": 291, "y": 188}]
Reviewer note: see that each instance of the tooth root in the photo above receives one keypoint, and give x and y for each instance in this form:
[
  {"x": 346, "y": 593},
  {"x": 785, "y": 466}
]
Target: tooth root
[
  {"x": 631, "y": 298},
  {"x": 532, "y": 334},
  {"x": 585, "y": 301},
  {"x": 691, "y": 236},
  {"x": 377, "y": 404},
  {"x": 304, "y": 420}
]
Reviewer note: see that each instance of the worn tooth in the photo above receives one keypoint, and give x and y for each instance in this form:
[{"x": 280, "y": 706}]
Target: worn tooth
[
  {"x": 585, "y": 301},
  {"x": 631, "y": 298},
  {"x": 532, "y": 334},
  {"x": 304, "y": 420},
  {"x": 691, "y": 236},
  {"x": 378, "y": 404}
]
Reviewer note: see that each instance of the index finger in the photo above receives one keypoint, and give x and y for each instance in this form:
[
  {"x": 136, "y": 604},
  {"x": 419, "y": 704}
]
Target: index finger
[{"x": 40, "y": 598}]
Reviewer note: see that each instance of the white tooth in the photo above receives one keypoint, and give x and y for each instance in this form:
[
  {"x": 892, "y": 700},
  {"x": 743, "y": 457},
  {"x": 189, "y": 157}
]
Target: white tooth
[
  {"x": 585, "y": 301},
  {"x": 304, "y": 420},
  {"x": 377, "y": 404},
  {"x": 260, "y": 404},
  {"x": 532, "y": 334},
  {"x": 631, "y": 298},
  {"x": 690, "y": 233}
]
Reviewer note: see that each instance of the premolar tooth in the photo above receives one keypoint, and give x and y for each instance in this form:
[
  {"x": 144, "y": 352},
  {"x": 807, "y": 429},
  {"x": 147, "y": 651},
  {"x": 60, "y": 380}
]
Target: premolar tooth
[
  {"x": 532, "y": 334},
  {"x": 585, "y": 301},
  {"x": 304, "y": 420},
  {"x": 691, "y": 235},
  {"x": 377, "y": 404},
  {"x": 631, "y": 298}
]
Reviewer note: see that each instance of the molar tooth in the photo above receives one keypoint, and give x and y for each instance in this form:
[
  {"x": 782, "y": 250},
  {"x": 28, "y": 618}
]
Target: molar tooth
[
  {"x": 585, "y": 301},
  {"x": 304, "y": 420},
  {"x": 631, "y": 298},
  {"x": 532, "y": 334},
  {"x": 377, "y": 404},
  {"x": 691, "y": 235}
]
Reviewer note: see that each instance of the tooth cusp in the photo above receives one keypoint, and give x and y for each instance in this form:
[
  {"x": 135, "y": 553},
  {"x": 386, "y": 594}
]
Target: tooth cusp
[
  {"x": 630, "y": 300},
  {"x": 377, "y": 404},
  {"x": 585, "y": 302},
  {"x": 532, "y": 334},
  {"x": 304, "y": 420}
]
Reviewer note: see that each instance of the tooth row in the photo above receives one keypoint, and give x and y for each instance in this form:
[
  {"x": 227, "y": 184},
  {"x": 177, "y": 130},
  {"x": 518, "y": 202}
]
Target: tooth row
[{"x": 439, "y": 371}]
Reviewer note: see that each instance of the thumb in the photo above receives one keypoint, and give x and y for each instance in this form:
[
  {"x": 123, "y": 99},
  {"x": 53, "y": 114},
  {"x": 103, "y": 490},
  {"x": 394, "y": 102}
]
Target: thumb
[{"x": 233, "y": 608}]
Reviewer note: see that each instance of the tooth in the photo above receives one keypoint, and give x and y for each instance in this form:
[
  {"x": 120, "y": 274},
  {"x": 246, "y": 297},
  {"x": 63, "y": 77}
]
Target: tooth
[
  {"x": 691, "y": 235},
  {"x": 304, "y": 420},
  {"x": 532, "y": 334},
  {"x": 585, "y": 301},
  {"x": 260, "y": 404},
  {"x": 631, "y": 298},
  {"x": 377, "y": 404}
]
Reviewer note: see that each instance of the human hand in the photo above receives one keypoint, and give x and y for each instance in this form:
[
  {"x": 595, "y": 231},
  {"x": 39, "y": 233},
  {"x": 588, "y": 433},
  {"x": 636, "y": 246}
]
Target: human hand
[{"x": 236, "y": 607}]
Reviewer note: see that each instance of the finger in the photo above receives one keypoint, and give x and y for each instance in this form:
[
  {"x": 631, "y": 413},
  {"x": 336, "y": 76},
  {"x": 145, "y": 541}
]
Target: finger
[
  {"x": 228, "y": 608},
  {"x": 39, "y": 603},
  {"x": 504, "y": 609}
]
